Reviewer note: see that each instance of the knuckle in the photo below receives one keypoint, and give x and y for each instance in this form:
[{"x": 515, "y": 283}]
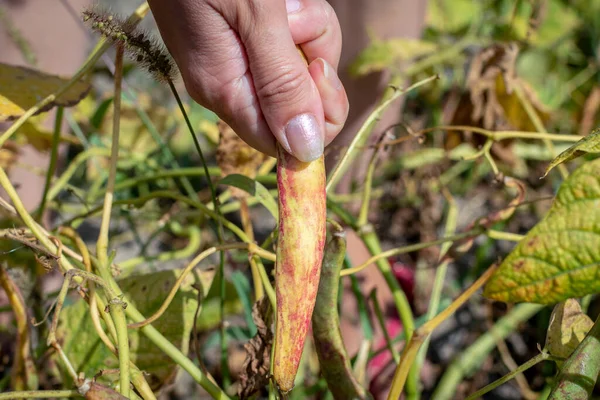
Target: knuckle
[{"x": 286, "y": 85}]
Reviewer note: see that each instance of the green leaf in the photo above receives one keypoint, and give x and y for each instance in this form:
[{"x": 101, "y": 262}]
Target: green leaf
[
  {"x": 242, "y": 287},
  {"x": 383, "y": 54},
  {"x": 560, "y": 21},
  {"x": 89, "y": 355},
  {"x": 568, "y": 327},
  {"x": 452, "y": 15},
  {"x": 255, "y": 189},
  {"x": 589, "y": 144},
  {"x": 560, "y": 257}
]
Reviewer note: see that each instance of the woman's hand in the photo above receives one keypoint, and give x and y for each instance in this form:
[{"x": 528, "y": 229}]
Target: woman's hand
[{"x": 239, "y": 59}]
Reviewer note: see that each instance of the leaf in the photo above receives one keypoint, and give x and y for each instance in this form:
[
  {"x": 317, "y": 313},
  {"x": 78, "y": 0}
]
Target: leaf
[
  {"x": 589, "y": 144},
  {"x": 253, "y": 188},
  {"x": 234, "y": 156},
  {"x": 560, "y": 257},
  {"x": 32, "y": 132},
  {"x": 255, "y": 370},
  {"x": 21, "y": 88},
  {"x": 382, "y": 54},
  {"x": 579, "y": 373},
  {"x": 568, "y": 327},
  {"x": 452, "y": 15},
  {"x": 88, "y": 354},
  {"x": 559, "y": 21}
]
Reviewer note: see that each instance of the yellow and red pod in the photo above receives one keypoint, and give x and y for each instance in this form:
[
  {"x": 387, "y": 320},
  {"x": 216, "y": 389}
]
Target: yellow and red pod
[{"x": 302, "y": 230}]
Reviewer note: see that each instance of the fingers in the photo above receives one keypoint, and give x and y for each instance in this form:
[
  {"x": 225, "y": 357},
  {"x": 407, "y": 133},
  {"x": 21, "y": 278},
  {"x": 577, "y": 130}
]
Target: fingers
[
  {"x": 333, "y": 97},
  {"x": 315, "y": 27},
  {"x": 239, "y": 59},
  {"x": 288, "y": 96}
]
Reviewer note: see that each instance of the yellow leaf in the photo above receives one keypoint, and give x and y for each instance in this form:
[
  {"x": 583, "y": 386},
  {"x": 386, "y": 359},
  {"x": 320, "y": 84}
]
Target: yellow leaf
[
  {"x": 21, "y": 88},
  {"x": 32, "y": 132},
  {"x": 382, "y": 54}
]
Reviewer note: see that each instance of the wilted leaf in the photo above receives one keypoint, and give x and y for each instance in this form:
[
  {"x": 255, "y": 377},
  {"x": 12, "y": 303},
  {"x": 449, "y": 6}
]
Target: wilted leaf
[
  {"x": 8, "y": 155},
  {"x": 491, "y": 101},
  {"x": 234, "y": 156},
  {"x": 560, "y": 257},
  {"x": 255, "y": 371},
  {"x": 568, "y": 327},
  {"x": 21, "y": 88},
  {"x": 589, "y": 144},
  {"x": 253, "y": 188},
  {"x": 88, "y": 354},
  {"x": 382, "y": 54}
]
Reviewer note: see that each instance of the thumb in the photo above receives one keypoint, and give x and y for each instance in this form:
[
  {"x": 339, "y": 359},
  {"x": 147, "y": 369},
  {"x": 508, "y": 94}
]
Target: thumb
[{"x": 287, "y": 94}]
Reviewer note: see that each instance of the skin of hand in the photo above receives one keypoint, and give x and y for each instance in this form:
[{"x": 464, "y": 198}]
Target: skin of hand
[{"x": 239, "y": 59}]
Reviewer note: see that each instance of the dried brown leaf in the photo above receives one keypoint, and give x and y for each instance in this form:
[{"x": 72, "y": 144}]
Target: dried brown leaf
[
  {"x": 490, "y": 101},
  {"x": 255, "y": 371},
  {"x": 234, "y": 156}
]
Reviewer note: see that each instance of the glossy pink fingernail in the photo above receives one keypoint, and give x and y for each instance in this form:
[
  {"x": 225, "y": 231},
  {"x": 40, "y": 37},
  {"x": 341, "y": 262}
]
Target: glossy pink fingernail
[
  {"x": 292, "y": 5},
  {"x": 304, "y": 137}
]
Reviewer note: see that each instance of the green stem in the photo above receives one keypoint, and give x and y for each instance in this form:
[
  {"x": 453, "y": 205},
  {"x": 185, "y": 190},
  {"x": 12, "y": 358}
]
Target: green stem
[
  {"x": 151, "y": 333},
  {"x": 53, "y": 157},
  {"x": 118, "y": 315},
  {"x": 543, "y": 356},
  {"x": 194, "y": 235},
  {"x": 169, "y": 194},
  {"x": 392, "y": 94},
  {"x": 366, "y": 199},
  {"x": 102, "y": 243},
  {"x": 381, "y": 320},
  {"x": 371, "y": 241},
  {"x": 440, "y": 277},
  {"x": 383, "y": 255},
  {"x": 539, "y": 126},
  {"x": 74, "y": 167},
  {"x": 508, "y": 236}
]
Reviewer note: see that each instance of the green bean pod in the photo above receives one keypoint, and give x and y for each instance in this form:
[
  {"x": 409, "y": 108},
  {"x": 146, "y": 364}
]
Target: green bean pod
[{"x": 334, "y": 361}]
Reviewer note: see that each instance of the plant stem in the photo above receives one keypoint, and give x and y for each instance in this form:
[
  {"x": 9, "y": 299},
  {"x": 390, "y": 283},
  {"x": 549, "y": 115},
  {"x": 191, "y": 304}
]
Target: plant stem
[
  {"x": 392, "y": 94},
  {"x": 73, "y": 167},
  {"x": 53, "y": 157},
  {"x": 508, "y": 236},
  {"x": 39, "y": 394},
  {"x": 440, "y": 274},
  {"x": 381, "y": 255},
  {"x": 381, "y": 320},
  {"x": 220, "y": 234},
  {"x": 371, "y": 241},
  {"x": 102, "y": 243},
  {"x": 151, "y": 333},
  {"x": 537, "y": 122},
  {"x": 543, "y": 356},
  {"x": 496, "y": 136},
  {"x": 411, "y": 349}
]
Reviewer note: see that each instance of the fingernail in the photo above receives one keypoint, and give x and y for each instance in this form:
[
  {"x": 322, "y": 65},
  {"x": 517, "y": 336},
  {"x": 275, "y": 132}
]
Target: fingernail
[
  {"x": 304, "y": 137},
  {"x": 292, "y": 5},
  {"x": 331, "y": 75}
]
